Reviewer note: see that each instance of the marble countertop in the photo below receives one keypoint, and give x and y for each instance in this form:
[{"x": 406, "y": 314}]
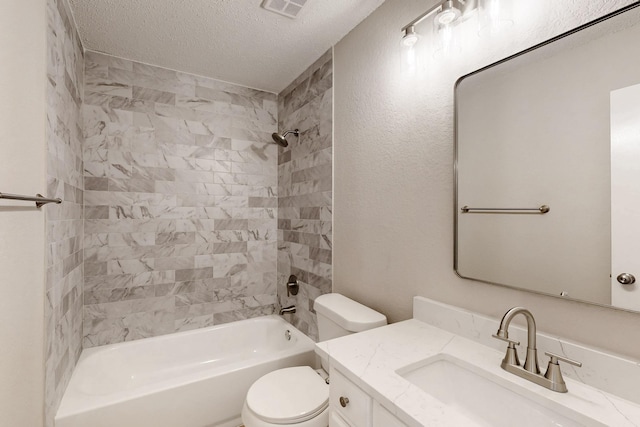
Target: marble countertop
[{"x": 370, "y": 359}]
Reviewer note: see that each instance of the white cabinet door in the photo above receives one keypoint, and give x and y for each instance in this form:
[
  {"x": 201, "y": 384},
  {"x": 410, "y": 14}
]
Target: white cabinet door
[
  {"x": 349, "y": 400},
  {"x": 384, "y": 418},
  {"x": 336, "y": 420},
  {"x": 625, "y": 195}
]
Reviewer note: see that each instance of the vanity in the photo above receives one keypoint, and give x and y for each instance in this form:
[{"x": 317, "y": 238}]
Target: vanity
[{"x": 442, "y": 368}]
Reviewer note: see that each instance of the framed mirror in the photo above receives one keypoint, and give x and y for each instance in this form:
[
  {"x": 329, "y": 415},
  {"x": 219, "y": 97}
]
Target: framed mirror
[{"x": 548, "y": 166}]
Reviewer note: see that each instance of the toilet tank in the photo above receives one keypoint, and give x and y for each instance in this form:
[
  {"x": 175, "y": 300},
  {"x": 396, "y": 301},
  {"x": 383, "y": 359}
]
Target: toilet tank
[{"x": 339, "y": 316}]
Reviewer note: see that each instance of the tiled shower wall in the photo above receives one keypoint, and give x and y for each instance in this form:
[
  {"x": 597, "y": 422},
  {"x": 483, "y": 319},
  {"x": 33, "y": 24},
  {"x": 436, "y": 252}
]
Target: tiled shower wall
[
  {"x": 305, "y": 190},
  {"x": 181, "y": 201},
  {"x": 64, "y": 232}
]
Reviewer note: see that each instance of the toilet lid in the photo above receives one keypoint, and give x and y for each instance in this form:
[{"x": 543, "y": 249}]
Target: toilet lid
[{"x": 288, "y": 395}]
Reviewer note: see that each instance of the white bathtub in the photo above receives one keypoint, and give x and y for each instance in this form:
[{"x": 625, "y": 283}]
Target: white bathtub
[{"x": 188, "y": 379}]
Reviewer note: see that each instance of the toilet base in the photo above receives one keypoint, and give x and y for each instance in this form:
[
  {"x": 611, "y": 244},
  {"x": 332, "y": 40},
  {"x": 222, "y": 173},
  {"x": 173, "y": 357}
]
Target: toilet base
[{"x": 251, "y": 420}]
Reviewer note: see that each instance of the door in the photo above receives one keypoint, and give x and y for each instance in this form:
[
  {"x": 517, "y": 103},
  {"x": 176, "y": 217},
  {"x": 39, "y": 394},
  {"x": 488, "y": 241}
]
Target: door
[{"x": 625, "y": 197}]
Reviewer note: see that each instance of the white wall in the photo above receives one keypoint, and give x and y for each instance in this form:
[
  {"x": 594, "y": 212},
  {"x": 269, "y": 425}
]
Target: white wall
[
  {"x": 393, "y": 179},
  {"x": 22, "y": 170}
]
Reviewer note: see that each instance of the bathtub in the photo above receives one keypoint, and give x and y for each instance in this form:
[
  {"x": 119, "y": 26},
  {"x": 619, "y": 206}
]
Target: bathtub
[{"x": 189, "y": 379}]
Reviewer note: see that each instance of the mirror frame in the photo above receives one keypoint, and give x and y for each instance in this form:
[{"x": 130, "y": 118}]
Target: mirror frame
[{"x": 456, "y": 149}]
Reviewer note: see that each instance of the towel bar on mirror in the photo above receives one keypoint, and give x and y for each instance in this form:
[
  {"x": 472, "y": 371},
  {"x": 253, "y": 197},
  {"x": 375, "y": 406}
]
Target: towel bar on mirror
[{"x": 541, "y": 210}]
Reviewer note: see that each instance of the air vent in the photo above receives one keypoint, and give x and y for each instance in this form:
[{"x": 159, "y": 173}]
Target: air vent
[{"x": 288, "y": 8}]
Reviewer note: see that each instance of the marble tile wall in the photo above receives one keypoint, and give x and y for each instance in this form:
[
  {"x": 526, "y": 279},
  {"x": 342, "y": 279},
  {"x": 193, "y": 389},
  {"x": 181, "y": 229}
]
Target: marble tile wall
[
  {"x": 64, "y": 228},
  {"x": 305, "y": 190},
  {"x": 181, "y": 201}
]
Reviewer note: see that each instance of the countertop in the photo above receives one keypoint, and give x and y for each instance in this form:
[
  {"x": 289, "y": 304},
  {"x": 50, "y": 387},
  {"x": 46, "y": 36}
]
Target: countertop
[{"x": 370, "y": 359}]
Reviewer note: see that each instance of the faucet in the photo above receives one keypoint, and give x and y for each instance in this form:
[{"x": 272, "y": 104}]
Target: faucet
[
  {"x": 290, "y": 309},
  {"x": 531, "y": 361},
  {"x": 552, "y": 379}
]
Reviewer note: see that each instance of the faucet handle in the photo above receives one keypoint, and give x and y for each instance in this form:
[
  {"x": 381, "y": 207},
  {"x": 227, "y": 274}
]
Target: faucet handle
[
  {"x": 555, "y": 357},
  {"x": 511, "y": 356},
  {"x": 554, "y": 374},
  {"x": 512, "y": 343}
]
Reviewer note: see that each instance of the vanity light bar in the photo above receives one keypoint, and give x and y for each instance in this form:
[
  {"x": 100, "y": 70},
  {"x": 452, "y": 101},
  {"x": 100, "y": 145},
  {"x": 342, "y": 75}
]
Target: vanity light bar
[
  {"x": 453, "y": 5},
  {"x": 541, "y": 210}
]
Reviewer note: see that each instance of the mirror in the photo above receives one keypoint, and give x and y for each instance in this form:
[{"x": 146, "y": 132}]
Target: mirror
[{"x": 548, "y": 166}]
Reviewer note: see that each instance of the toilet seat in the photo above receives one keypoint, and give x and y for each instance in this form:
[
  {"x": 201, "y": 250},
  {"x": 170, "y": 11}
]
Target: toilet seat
[{"x": 288, "y": 396}]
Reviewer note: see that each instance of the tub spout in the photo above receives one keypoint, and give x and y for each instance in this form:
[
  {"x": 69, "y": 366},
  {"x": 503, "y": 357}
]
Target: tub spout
[{"x": 290, "y": 310}]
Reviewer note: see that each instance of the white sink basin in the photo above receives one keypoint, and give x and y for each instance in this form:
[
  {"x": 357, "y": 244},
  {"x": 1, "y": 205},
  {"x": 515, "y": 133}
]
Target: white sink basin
[{"x": 478, "y": 395}]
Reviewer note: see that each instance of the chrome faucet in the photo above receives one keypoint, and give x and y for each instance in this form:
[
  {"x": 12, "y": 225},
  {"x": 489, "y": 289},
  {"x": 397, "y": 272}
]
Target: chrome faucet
[
  {"x": 290, "y": 310},
  {"x": 552, "y": 379}
]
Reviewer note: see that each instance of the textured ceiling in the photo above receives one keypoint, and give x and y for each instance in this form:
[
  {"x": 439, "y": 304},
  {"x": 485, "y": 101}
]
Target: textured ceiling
[{"x": 232, "y": 40}]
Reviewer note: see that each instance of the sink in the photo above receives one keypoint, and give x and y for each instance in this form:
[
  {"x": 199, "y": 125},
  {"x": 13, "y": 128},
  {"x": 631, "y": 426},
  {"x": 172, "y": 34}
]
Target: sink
[{"x": 483, "y": 397}]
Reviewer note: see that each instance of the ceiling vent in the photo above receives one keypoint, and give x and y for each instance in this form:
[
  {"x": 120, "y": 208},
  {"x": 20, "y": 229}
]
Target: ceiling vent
[{"x": 288, "y": 8}]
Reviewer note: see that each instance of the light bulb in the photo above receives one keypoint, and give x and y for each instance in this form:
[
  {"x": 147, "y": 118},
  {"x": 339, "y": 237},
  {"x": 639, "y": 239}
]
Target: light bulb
[
  {"x": 446, "y": 18},
  {"x": 409, "y": 60},
  {"x": 408, "y": 52},
  {"x": 410, "y": 37},
  {"x": 447, "y": 43},
  {"x": 494, "y": 17},
  {"x": 446, "y": 38},
  {"x": 448, "y": 14}
]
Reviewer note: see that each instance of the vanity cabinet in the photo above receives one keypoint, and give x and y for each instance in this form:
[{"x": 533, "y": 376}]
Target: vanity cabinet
[
  {"x": 350, "y": 406},
  {"x": 384, "y": 418},
  {"x": 335, "y": 420},
  {"x": 349, "y": 401}
]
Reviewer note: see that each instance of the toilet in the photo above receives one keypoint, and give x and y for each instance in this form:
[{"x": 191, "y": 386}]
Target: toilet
[{"x": 299, "y": 396}]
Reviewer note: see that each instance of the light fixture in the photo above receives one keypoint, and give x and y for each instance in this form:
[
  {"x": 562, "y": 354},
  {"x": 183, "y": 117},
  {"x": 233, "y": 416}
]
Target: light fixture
[
  {"x": 448, "y": 14},
  {"x": 443, "y": 23},
  {"x": 447, "y": 43},
  {"x": 408, "y": 51},
  {"x": 410, "y": 36}
]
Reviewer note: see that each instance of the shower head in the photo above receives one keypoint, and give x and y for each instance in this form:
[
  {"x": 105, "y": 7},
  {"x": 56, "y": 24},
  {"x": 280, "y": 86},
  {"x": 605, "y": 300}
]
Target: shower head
[{"x": 281, "y": 139}]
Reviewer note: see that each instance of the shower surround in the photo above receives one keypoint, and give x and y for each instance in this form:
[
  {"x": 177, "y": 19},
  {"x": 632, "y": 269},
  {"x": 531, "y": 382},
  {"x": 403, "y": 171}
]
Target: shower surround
[
  {"x": 64, "y": 230},
  {"x": 305, "y": 191},
  {"x": 180, "y": 178},
  {"x": 179, "y": 210}
]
